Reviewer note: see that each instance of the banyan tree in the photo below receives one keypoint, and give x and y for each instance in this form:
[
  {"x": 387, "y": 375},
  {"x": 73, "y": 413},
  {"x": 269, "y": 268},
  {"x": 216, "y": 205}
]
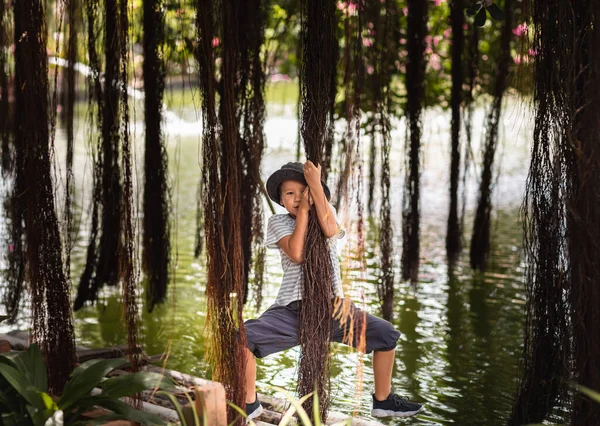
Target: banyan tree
[
  {"x": 562, "y": 213},
  {"x": 250, "y": 104},
  {"x": 457, "y": 19},
  {"x": 384, "y": 19},
  {"x": 112, "y": 260},
  {"x": 51, "y": 306},
  {"x": 480, "y": 239},
  {"x": 156, "y": 239},
  {"x": 219, "y": 26},
  {"x": 349, "y": 151},
  {"x": 317, "y": 88},
  {"x": 102, "y": 263},
  {"x": 415, "y": 92},
  {"x": 5, "y": 157},
  {"x": 72, "y": 10}
]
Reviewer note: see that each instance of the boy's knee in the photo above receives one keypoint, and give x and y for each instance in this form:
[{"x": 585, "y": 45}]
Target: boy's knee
[{"x": 383, "y": 337}]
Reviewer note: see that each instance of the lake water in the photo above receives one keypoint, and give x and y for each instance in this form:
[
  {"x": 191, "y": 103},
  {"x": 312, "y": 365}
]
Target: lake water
[{"x": 462, "y": 331}]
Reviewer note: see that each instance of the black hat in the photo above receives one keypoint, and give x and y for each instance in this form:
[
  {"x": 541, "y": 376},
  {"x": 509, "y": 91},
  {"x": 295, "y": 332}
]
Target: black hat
[{"x": 289, "y": 171}]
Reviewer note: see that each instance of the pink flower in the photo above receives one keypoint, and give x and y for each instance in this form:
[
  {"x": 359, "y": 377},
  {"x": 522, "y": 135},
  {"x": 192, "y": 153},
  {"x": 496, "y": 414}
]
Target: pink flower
[
  {"x": 11, "y": 248},
  {"x": 438, "y": 2},
  {"x": 370, "y": 69},
  {"x": 215, "y": 42},
  {"x": 367, "y": 42},
  {"x": 405, "y": 10},
  {"x": 402, "y": 40},
  {"x": 484, "y": 57},
  {"x": 532, "y": 52},
  {"x": 517, "y": 59},
  {"x": 447, "y": 32},
  {"x": 465, "y": 26},
  {"x": 520, "y": 30},
  {"x": 435, "y": 63}
]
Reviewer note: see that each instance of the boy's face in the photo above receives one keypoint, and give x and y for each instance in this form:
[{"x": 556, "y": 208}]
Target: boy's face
[{"x": 291, "y": 195}]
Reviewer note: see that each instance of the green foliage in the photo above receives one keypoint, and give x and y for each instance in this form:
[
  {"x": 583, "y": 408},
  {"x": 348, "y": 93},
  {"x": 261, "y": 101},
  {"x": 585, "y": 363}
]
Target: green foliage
[
  {"x": 24, "y": 400},
  {"x": 295, "y": 407},
  {"x": 478, "y": 10},
  {"x": 593, "y": 395}
]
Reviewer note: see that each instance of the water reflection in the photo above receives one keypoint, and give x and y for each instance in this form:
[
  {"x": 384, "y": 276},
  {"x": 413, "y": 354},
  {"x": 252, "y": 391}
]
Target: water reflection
[
  {"x": 461, "y": 332},
  {"x": 411, "y": 346}
]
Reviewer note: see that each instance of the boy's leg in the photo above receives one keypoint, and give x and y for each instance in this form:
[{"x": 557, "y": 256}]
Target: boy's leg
[
  {"x": 383, "y": 364},
  {"x": 380, "y": 338},
  {"x": 274, "y": 331},
  {"x": 253, "y": 407},
  {"x": 250, "y": 376}
]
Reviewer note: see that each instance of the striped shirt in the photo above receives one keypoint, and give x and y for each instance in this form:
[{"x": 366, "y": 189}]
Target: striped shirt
[{"x": 281, "y": 225}]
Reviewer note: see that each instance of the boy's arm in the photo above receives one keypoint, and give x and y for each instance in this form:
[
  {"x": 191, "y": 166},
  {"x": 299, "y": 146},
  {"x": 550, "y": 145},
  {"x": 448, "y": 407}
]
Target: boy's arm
[
  {"x": 293, "y": 245},
  {"x": 326, "y": 217}
]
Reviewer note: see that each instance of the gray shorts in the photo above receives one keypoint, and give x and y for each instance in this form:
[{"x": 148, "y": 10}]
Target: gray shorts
[{"x": 277, "y": 330}]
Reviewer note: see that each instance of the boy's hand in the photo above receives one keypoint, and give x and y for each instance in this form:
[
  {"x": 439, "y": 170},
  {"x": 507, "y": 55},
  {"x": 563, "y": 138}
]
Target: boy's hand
[
  {"x": 306, "y": 201},
  {"x": 312, "y": 174}
]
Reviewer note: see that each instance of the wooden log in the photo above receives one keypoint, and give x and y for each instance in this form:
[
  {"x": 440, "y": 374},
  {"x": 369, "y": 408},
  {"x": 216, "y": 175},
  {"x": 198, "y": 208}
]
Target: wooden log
[
  {"x": 211, "y": 403},
  {"x": 114, "y": 352},
  {"x": 5, "y": 346},
  {"x": 272, "y": 404},
  {"x": 20, "y": 339},
  {"x": 15, "y": 342},
  {"x": 162, "y": 412},
  {"x": 164, "y": 401}
]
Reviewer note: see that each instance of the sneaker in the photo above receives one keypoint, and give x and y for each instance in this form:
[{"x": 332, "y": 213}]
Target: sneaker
[
  {"x": 253, "y": 410},
  {"x": 394, "y": 406}
]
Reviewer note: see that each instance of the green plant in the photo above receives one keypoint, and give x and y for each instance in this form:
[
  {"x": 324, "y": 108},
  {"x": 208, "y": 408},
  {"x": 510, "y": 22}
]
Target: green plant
[
  {"x": 179, "y": 410},
  {"x": 595, "y": 396},
  {"x": 24, "y": 398},
  {"x": 296, "y": 406}
]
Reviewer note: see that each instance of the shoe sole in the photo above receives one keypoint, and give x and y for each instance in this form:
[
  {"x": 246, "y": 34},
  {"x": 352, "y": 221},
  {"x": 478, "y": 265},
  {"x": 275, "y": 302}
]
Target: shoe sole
[
  {"x": 390, "y": 413},
  {"x": 256, "y": 413}
]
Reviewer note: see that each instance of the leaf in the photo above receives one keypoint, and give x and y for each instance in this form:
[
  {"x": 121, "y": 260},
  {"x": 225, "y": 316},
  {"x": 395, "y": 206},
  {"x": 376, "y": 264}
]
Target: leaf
[
  {"x": 496, "y": 12},
  {"x": 49, "y": 403},
  {"x": 127, "y": 412},
  {"x": 22, "y": 385},
  {"x": 239, "y": 410},
  {"x": 480, "y": 18},
  {"x": 85, "y": 378},
  {"x": 316, "y": 411},
  {"x": 473, "y": 9},
  {"x": 178, "y": 407},
  {"x": 38, "y": 417},
  {"x": 130, "y": 384},
  {"x": 11, "y": 419},
  {"x": 296, "y": 406},
  {"x": 8, "y": 359},
  {"x": 35, "y": 367},
  {"x": 589, "y": 392},
  {"x": 195, "y": 412}
]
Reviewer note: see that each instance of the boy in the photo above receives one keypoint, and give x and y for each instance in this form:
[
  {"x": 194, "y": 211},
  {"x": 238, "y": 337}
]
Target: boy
[{"x": 297, "y": 187}]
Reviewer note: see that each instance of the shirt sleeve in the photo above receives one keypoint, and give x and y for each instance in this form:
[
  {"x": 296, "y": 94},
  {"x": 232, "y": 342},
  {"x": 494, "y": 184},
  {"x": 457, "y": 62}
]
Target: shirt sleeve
[
  {"x": 277, "y": 228},
  {"x": 340, "y": 231}
]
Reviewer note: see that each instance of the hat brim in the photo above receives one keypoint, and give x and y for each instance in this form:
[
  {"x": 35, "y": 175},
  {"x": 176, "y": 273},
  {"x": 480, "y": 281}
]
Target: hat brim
[{"x": 278, "y": 177}]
